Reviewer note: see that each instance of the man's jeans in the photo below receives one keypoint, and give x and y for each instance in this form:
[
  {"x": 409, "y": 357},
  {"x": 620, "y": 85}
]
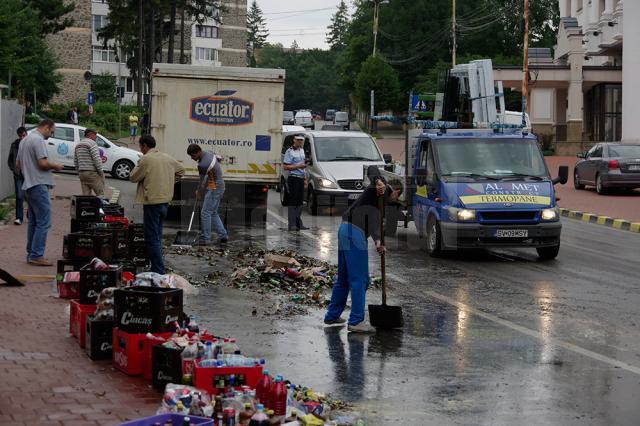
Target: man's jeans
[
  {"x": 154, "y": 214},
  {"x": 353, "y": 274},
  {"x": 39, "y": 220},
  {"x": 18, "y": 181},
  {"x": 209, "y": 213}
]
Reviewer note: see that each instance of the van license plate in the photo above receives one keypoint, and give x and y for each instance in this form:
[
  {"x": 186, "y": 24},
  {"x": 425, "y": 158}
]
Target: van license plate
[
  {"x": 353, "y": 196},
  {"x": 634, "y": 167},
  {"x": 511, "y": 233}
]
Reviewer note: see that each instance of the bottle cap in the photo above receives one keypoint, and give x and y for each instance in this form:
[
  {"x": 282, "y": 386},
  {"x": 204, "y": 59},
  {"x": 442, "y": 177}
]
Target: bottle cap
[
  {"x": 294, "y": 411},
  {"x": 265, "y": 372},
  {"x": 260, "y": 407},
  {"x": 247, "y": 405},
  {"x": 279, "y": 378}
]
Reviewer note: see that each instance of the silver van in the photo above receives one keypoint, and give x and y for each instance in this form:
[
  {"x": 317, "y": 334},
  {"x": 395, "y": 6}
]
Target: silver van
[
  {"x": 342, "y": 118},
  {"x": 335, "y": 165}
]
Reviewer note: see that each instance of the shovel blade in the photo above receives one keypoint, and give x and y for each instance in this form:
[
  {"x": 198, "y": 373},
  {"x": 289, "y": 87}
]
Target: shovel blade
[
  {"x": 385, "y": 316},
  {"x": 186, "y": 238},
  {"x": 9, "y": 279}
]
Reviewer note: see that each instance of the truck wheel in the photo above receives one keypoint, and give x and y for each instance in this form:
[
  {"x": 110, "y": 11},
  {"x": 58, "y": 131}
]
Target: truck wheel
[
  {"x": 548, "y": 253},
  {"x": 283, "y": 193},
  {"x": 279, "y": 186},
  {"x": 576, "y": 180},
  {"x": 391, "y": 221},
  {"x": 313, "y": 203},
  {"x": 434, "y": 237},
  {"x": 600, "y": 189}
]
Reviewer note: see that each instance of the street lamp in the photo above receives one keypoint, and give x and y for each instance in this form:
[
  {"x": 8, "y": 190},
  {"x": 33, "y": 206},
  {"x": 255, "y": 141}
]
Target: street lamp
[{"x": 376, "y": 8}]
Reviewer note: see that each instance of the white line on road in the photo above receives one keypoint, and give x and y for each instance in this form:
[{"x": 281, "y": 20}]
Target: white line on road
[{"x": 489, "y": 317}]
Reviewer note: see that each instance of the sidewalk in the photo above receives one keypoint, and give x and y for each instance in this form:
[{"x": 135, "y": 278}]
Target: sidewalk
[{"x": 47, "y": 378}]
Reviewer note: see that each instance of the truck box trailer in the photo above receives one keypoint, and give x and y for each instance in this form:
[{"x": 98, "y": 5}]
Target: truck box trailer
[{"x": 232, "y": 111}]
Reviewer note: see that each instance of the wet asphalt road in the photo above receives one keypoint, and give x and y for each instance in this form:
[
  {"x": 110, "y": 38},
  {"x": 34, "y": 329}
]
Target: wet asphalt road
[{"x": 490, "y": 338}]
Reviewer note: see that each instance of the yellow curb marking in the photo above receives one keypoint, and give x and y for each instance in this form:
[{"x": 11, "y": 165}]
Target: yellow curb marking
[
  {"x": 602, "y": 220},
  {"x": 617, "y": 223}
]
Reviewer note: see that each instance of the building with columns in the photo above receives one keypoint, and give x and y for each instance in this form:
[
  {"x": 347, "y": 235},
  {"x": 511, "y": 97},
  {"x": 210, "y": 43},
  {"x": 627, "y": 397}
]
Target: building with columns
[{"x": 576, "y": 96}]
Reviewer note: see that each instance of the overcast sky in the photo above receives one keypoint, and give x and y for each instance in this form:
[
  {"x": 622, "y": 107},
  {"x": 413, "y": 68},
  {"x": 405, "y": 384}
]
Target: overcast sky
[{"x": 303, "y": 21}]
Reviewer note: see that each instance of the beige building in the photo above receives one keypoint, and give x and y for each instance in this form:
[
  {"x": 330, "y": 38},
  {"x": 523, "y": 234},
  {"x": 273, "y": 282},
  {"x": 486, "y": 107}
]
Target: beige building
[
  {"x": 78, "y": 48},
  {"x": 576, "y": 96}
]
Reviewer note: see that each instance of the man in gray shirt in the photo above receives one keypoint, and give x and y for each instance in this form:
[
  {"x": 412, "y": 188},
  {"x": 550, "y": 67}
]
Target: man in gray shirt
[
  {"x": 212, "y": 186},
  {"x": 36, "y": 169}
]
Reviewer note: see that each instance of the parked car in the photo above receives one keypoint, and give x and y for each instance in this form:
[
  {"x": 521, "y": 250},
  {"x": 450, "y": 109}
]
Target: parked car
[
  {"x": 336, "y": 127},
  {"x": 608, "y": 165},
  {"x": 329, "y": 115},
  {"x": 335, "y": 166},
  {"x": 304, "y": 119},
  {"x": 342, "y": 119},
  {"x": 116, "y": 160},
  {"x": 288, "y": 118}
]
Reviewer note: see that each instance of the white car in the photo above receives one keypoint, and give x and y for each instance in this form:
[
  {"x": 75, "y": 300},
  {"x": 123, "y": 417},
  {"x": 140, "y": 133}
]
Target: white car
[
  {"x": 304, "y": 119},
  {"x": 116, "y": 160}
]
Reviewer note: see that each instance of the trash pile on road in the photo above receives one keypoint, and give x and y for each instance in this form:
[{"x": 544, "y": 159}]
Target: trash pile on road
[{"x": 137, "y": 320}]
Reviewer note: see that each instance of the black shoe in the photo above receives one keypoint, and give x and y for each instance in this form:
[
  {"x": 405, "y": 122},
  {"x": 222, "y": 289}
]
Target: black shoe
[
  {"x": 223, "y": 241},
  {"x": 293, "y": 229},
  {"x": 302, "y": 228}
]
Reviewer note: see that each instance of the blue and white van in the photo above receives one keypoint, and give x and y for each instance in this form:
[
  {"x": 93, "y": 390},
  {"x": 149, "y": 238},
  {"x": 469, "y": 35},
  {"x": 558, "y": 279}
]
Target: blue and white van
[{"x": 483, "y": 188}]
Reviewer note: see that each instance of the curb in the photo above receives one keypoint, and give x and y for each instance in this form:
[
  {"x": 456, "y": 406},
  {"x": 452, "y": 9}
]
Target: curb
[
  {"x": 621, "y": 224},
  {"x": 115, "y": 195}
]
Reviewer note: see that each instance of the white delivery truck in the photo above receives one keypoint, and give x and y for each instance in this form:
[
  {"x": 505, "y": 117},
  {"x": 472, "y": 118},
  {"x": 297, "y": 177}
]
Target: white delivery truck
[{"x": 232, "y": 111}]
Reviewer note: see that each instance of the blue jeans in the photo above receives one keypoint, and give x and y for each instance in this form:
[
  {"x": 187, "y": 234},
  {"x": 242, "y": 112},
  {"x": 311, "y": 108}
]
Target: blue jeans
[
  {"x": 39, "y": 220},
  {"x": 18, "y": 181},
  {"x": 353, "y": 274},
  {"x": 209, "y": 214},
  {"x": 154, "y": 214}
]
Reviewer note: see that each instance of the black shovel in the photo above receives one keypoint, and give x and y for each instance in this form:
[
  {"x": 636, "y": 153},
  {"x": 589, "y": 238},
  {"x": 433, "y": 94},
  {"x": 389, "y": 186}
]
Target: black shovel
[
  {"x": 384, "y": 316},
  {"x": 187, "y": 238}
]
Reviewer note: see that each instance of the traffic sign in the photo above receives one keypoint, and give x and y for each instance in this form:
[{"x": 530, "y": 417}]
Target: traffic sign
[{"x": 90, "y": 98}]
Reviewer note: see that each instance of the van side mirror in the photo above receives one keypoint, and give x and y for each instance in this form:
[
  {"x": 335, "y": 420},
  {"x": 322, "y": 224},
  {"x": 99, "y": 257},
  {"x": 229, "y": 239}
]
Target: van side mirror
[
  {"x": 387, "y": 158},
  {"x": 563, "y": 175},
  {"x": 581, "y": 155}
]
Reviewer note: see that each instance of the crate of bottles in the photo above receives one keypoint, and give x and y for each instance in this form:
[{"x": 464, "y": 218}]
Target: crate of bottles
[
  {"x": 147, "y": 351},
  {"x": 78, "y": 314},
  {"x": 99, "y": 338},
  {"x": 87, "y": 245},
  {"x": 119, "y": 237},
  {"x": 85, "y": 207},
  {"x": 215, "y": 379},
  {"x": 93, "y": 281},
  {"x": 166, "y": 363},
  {"x": 148, "y": 309}
]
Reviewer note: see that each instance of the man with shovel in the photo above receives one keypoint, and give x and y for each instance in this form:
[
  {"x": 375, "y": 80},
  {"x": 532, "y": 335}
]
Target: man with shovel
[{"x": 360, "y": 221}]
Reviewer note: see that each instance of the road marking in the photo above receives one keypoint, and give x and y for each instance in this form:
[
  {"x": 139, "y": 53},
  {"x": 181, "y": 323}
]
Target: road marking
[
  {"x": 505, "y": 323},
  {"x": 524, "y": 330}
]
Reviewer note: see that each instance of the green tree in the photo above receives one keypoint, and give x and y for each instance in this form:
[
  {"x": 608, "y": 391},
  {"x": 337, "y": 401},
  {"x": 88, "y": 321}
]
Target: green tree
[
  {"x": 338, "y": 27},
  {"x": 257, "y": 32},
  {"x": 380, "y": 77},
  {"x": 23, "y": 54},
  {"x": 104, "y": 87},
  {"x": 52, "y": 14}
]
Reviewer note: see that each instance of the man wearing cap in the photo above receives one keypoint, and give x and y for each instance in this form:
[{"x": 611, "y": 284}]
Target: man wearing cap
[
  {"x": 89, "y": 164},
  {"x": 294, "y": 163}
]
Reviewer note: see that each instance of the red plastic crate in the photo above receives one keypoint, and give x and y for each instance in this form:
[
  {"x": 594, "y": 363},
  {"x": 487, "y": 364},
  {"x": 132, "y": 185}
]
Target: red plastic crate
[
  {"x": 204, "y": 376},
  {"x": 147, "y": 346},
  {"x": 78, "y": 320},
  {"x": 69, "y": 290},
  {"x": 128, "y": 351}
]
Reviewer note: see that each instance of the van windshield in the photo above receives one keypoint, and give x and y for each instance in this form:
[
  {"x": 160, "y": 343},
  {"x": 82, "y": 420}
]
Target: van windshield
[
  {"x": 490, "y": 157},
  {"x": 346, "y": 148}
]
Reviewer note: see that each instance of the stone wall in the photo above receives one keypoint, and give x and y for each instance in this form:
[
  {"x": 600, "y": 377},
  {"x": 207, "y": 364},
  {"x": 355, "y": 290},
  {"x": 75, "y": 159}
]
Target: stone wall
[
  {"x": 233, "y": 38},
  {"x": 73, "y": 88},
  {"x": 232, "y": 59}
]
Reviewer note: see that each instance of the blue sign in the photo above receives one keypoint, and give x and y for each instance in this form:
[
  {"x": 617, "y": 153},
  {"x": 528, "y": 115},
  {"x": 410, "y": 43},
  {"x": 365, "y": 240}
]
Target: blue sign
[
  {"x": 221, "y": 109},
  {"x": 263, "y": 143},
  {"x": 90, "y": 98}
]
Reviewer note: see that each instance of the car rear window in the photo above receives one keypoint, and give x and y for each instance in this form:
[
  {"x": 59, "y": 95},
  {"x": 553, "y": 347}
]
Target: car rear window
[{"x": 624, "y": 151}]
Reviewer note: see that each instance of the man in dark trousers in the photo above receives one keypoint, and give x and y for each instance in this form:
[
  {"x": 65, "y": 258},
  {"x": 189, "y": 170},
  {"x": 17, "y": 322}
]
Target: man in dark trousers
[
  {"x": 360, "y": 221},
  {"x": 294, "y": 163},
  {"x": 18, "y": 179}
]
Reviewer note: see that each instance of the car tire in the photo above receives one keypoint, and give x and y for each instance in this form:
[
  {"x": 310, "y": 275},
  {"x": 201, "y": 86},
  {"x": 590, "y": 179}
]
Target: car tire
[
  {"x": 576, "y": 180},
  {"x": 283, "y": 193},
  {"x": 122, "y": 169},
  {"x": 600, "y": 189},
  {"x": 313, "y": 203},
  {"x": 279, "y": 186},
  {"x": 548, "y": 253},
  {"x": 434, "y": 237}
]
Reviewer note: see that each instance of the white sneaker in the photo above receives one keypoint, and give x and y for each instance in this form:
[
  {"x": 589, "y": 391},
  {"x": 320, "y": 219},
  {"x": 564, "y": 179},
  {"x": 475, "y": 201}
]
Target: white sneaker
[
  {"x": 17, "y": 222},
  {"x": 361, "y": 327}
]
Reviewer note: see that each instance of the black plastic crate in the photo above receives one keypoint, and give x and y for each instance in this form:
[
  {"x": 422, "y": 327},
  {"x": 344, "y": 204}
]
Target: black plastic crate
[
  {"x": 136, "y": 234},
  {"x": 92, "y": 282},
  {"x": 78, "y": 225},
  {"x": 166, "y": 366},
  {"x": 99, "y": 341},
  {"x": 139, "y": 255},
  {"x": 112, "y": 209},
  {"x": 87, "y": 245},
  {"x": 66, "y": 265},
  {"x": 119, "y": 237},
  {"x": 85, "y": 207},
  {"x": 147, "y": 309}
]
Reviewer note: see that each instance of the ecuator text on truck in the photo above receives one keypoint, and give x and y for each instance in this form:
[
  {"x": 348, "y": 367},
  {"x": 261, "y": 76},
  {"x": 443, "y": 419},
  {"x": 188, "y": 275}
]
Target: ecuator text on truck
[{"x": 234, "y": 112}]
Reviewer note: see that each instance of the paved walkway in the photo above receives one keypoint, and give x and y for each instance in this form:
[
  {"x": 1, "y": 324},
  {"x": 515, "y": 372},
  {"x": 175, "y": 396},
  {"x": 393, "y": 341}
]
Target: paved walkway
[{"x": 46, "y": 377}]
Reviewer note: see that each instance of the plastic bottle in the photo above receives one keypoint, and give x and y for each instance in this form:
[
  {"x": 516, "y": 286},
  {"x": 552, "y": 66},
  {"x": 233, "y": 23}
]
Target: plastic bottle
[
  {"x": 259, "y": 418},
  {"x": 193, "y": 324},
  {"x": 263, "y": 388},
  {"x": 278, "y": 397},
  {"x": 188, "y": 356},
  {"x": 208, "y": 351},
  {"x": 246, "y": 414},
  {"x": 293, "y": 417}
]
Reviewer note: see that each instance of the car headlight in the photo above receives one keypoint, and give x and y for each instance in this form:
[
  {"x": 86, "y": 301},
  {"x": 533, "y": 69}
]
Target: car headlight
[
  {"x": 326, "y": 183},
  {"x": 461, "y": 215},
  {"x": 550, "y": 214}
]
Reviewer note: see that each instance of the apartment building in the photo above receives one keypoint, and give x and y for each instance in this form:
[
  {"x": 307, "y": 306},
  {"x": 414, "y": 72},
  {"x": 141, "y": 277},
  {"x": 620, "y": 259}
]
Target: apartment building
[{"x": 213, "y": 43}]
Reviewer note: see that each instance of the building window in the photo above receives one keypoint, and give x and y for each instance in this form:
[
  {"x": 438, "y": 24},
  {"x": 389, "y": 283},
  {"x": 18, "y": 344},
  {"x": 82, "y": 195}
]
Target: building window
[
  {"x": 206, "y": 31},
  {"x": 98, "y": 22},
  {"x": 127, "y": 83},
  {"x": 103, "y": 55},
  {"x": 205, "y": 54}
]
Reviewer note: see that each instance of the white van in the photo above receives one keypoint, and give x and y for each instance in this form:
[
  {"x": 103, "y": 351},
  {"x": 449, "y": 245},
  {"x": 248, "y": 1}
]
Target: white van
[
  {"x": 342, "y": 119},
  {"x": 336, "y": 161},
  {"x": 304, "y": 119}
]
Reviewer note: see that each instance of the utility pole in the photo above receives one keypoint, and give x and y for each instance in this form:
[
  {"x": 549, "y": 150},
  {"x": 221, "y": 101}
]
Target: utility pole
[
  {"x": 140, "y": 43},
  {"x": 375, "y": 25},
  {"x": 453, "y": 33},
  {"x": 525, "y": 64}
]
